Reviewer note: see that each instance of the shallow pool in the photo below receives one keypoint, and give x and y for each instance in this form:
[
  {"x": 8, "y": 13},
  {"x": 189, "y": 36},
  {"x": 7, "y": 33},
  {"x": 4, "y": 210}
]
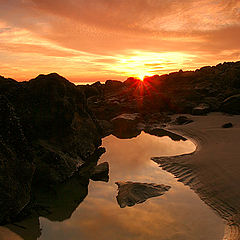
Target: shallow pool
[{"x": 177, "y": 215}]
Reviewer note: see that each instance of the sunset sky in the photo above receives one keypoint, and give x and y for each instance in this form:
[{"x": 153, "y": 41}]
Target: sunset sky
[{"x": 90, "y": 40}]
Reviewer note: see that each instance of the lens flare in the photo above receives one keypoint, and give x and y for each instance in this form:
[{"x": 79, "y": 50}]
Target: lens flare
[
  {"x": 139, "y": 64},
  {"x": 141, "y": 76}
]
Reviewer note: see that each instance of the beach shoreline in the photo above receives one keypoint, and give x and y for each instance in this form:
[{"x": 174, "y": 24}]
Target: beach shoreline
[{"x": 212, "y": 171}]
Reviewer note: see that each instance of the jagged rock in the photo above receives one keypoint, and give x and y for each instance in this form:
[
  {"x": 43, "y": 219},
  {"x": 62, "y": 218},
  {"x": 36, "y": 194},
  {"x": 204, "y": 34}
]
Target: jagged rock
[
  {"x": 125, "y": 125},
  {"x": 131, "y": 82},
  {"x": 182, "y": 120},
  {"x": 201, "y": 109},
  {"x": 100, "y": 172},
  {"x": 16, "y": 163},
  {"x": 45, "y": 121},
  {"x": 231, "y": 105},
  {"x": 113, "y": 85},
  {"x": 227, "y": 125},
  {"x": 106, "y": 127},
  {"x": 177, "y": 92},
  {"x": 131, "y": 193}
]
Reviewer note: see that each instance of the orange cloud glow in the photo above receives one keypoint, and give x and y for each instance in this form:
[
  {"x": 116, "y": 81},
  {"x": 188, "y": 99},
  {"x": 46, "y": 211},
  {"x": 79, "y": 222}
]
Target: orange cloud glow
[{"x": 101, "y": 39}]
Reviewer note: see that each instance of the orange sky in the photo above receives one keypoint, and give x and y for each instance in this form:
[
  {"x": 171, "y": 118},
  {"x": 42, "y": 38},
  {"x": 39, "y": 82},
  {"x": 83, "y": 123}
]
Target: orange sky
[{"x": 90, "y": 40}]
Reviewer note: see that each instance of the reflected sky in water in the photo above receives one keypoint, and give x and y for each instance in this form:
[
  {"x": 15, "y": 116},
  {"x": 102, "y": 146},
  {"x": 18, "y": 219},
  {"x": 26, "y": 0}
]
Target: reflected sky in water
[{"x": 177, "y": 215}]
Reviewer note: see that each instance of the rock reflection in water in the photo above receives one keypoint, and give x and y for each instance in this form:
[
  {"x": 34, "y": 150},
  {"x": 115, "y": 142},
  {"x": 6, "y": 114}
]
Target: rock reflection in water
[
  {"x": 131, "y": 193},
  {"x": 55, "y": 205},
  {"x": 177, "y": 215}
]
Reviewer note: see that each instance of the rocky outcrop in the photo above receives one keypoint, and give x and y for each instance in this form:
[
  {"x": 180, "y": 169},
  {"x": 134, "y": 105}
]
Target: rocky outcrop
[
  {"x": 16, "y": 163},
  {"x": 125, "y": 125},
  {"x": 231, "y": 104},
  {"x": 227, "y": 125},
  {"x": 131, "y": 193},
  {"x": 100, "y": 172},
  {"x": 182, "y": 120},
  {"x": 177, "y": 92},
  {"x": 47, "y": 133},
  {"x": 201, "y": 109}
]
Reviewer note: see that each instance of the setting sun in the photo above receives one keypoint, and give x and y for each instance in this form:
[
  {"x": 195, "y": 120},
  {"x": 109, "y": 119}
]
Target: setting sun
[
  {"x": 141, "y": 76},
  {"x": 139, "y": 64},
  {"x": 106, "y": 104}
]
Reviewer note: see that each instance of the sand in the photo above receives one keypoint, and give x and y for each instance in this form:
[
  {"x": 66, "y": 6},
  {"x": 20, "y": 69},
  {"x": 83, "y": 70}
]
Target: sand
[{"x": 213, "y": 170}]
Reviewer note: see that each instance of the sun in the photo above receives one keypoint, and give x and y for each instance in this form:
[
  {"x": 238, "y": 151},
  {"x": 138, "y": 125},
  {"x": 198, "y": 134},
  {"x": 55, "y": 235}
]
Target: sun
[{"x": 141, "y": 76}]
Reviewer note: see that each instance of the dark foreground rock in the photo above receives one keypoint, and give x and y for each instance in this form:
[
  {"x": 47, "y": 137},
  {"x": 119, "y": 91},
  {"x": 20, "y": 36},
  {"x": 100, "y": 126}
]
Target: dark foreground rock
[
  {"x": 231, "y": 104},
  {"x": 100, "y": 172},
  {"x": 16, "y": 163},
  {"x": 227, "y": 125},
  {"x": 56, "y": 202},
  {"x": 47, "y": 134},
  {"x": 201, "y": 109},
  {"x": 131, "y": 193},
  {"x": 182, "y": 120},
  {"x": 125, "y": 125}
]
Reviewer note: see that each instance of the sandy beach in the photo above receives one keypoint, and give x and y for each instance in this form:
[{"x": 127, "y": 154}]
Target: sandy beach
[{"x": 213, "y": 170}]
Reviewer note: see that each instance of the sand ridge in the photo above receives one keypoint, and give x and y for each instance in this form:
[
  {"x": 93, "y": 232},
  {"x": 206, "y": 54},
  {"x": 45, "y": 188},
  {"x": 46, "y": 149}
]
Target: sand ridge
[{"x": 213, "y": 170}]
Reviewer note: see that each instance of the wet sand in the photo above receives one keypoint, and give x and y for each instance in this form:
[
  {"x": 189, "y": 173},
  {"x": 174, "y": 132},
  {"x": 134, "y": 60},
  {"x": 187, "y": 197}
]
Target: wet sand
[{"x": 213, "y": 170}]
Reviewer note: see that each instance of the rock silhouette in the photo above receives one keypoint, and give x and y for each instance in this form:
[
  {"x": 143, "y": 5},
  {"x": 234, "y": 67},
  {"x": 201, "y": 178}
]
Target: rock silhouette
[{"x": 131, "y": 193}]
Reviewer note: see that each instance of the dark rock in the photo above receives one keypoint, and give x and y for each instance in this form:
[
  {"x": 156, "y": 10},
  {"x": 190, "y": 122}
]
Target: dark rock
[
  {"x": 156, "y": 118},
  {"x": 231, "y": 104},
  {"x": 131, "y": 193},
  {"x": 95, "y": 89},
  {"x": 227, "y": 125},
  {"x": 16, "y": 163},
  {"x": 45, "y": 124},
  {"x": 213, "y": 102},
  {"x": 106, "y": 127},
  {"x": 113, "y": 85},
  {"x": 182, "y": 120},
  {"x": 55, "y": 203},
  {"x": 178, "y": 92},
  {"x": 201, "y": 109},
  {"x": 100, "y": 172},
  {"x": 125, "y": 125},
  {"x": 131, "y": 82}
]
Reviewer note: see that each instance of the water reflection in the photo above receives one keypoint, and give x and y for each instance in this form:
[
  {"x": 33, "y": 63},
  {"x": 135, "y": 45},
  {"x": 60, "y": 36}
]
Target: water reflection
[{"x": 177, "y": 215}]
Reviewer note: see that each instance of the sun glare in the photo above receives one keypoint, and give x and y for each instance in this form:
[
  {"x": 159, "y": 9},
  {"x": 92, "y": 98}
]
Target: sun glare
[
  {"x": 141, "y": 76},
  {"x": 139, "y": 64}
]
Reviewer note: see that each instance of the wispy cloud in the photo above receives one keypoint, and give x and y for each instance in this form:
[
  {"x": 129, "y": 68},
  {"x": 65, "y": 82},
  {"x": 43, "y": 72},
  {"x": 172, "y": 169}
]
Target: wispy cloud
[{"x": 99, "y": 31}]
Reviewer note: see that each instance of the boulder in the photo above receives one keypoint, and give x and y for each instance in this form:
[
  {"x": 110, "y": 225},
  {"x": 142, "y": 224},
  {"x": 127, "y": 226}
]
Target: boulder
[
  {"x": 231, "y": 104},
  {"x": 227, "y": 125},
  {"x": 131, "y": 193},
  {"x": 201, "y": 109},
  {"x": 100, "y": 172},
  {"x": 113, "y": 85},
  {"x": 47, "y": 133},
  {"x": 182, "y": 120},
  {"x": 106, "y": 127},
  {"x": 16, "y": 163},
  {"x": 125, "y": 125},
  {"x": 131, "y": 82}
]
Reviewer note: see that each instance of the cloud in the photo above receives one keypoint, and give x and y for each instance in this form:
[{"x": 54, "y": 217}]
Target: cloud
[
  {"x": 31, "y": 48},
  {"x": 112, "y": 28}
]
